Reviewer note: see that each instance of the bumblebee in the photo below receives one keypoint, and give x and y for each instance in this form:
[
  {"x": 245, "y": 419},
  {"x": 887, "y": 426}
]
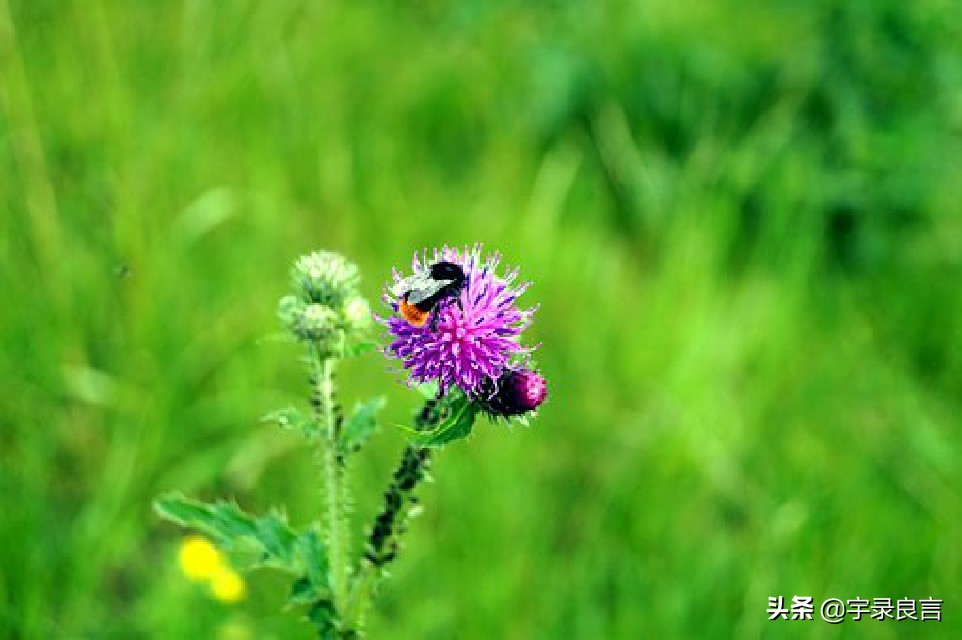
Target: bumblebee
[{"x": 422, "y": 296}]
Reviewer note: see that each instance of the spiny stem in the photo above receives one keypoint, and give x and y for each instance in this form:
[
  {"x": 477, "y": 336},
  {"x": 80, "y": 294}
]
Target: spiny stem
[
  {"x": 390, "y": 524},
  {"x": 334, "y": 480}
]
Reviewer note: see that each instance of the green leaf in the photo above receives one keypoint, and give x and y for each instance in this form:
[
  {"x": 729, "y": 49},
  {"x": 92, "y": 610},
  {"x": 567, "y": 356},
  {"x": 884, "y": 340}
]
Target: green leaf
[
  {"x": 223, "y": 521},
  {"x": 354, "y": 349},
  {"x": 360, "y": 425},
  {"x": 267, "y": 541},
  {"x": 457, "y": 420},
  {"x": 302, "y": 592},
  {"x": 323, "y": 616},
  {"x": 277, "y": 539},
  {"x": 314, "y": 586},
  {"x": 314, "y": 557},
  {"x": 295, "y": 419}
]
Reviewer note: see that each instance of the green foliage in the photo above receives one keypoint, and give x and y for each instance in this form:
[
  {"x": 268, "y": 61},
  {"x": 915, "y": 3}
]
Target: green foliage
[
  {"x": 325, "y": 313},
  {"x": 456, "y": 421},
  {"x": 358, "y": 348},
  {"x": 312, "y": 551},
  {"x": 266, "y": 541},
  {"x": 222, "y": 521},
  {"x": 360, "y": 425},
  {"x": 428, "y": 390},
  {"x": 451, "y": 418},
  {"x": 296, "y": 420},
  {"x": 302, "y": 593},
  {"x": 312, "y": 592},
  {"x": 322, "y": 615}
]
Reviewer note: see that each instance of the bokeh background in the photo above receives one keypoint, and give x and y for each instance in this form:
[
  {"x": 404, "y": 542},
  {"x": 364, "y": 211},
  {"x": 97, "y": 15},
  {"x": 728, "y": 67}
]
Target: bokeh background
[{"x": 743, "y": 224}]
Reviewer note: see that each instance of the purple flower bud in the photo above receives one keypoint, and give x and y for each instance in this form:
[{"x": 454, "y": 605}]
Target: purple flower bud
[
  {"x": 518, "y": 392},
  {"x": 528, "y": 388}
]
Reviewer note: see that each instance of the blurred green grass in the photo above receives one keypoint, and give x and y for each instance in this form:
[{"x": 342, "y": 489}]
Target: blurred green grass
[{"x": 742, "y": 223}]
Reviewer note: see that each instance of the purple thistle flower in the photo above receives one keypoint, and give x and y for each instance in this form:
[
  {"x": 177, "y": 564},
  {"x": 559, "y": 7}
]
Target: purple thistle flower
[{"x": 474, "y": 341}]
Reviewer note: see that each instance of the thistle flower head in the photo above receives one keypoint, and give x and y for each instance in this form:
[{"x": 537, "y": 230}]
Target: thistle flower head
[{"x": 474, "y": 338}]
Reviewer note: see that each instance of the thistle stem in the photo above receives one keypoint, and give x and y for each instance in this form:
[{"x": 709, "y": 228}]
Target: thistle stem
[
  {"x": 385, "y": 537},
  {"x": 334, "y": 477}
]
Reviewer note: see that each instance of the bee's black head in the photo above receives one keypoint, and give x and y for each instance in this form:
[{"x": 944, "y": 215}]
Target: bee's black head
[{"x": 447, "y": 271}]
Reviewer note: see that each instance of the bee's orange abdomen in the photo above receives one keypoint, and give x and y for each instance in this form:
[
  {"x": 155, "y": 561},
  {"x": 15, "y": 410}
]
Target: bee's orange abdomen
[{"x": 414, "y": 316}]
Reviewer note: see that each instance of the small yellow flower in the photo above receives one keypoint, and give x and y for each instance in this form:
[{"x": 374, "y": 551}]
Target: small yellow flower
[
  {"x": 199, "y": 559},
  {"x": 227, "y": 585}
]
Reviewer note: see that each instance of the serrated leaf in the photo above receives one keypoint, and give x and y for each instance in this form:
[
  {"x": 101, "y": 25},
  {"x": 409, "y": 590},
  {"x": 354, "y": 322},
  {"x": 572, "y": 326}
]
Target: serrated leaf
[
  {"x": 277, "y": 538},
  {"x": 295, "y": 419},
  {"x": 360, "y": 425},
  {"x": 222, "y": 521},
  {"x": 314, "y": 587},
  {"x": 267, "y": 541},
  {"x": 456, "y": 424},
  {"x": 314, "y": 557}
]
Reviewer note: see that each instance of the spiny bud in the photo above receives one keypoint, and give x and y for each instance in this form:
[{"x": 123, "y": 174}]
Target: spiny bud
[
  {"x": 325, "y": 307},
  {"x": 357, "y": 313},
  {"x": 326, "y": 278},
  {"x": 289, "y": 310},
  {"x": 318, "y": 321},
  {"x": 517, "y": 392},
  {"x": 307, "y": 321}
]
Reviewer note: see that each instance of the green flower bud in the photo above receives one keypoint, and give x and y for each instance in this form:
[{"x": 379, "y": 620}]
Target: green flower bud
[
  {"x": 308, "y": 321},
  {"x": 357, "y": 313},
  {"x": 326, "y": 278},
  {"x": 318, "y": 322},
  {"x": 289, "y": 311}
]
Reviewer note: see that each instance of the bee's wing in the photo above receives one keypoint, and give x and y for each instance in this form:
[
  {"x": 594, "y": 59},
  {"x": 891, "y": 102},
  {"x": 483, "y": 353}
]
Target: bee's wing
[
  {"x": 424, "y": 292},
  {"x": 415, "y": 283}
]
